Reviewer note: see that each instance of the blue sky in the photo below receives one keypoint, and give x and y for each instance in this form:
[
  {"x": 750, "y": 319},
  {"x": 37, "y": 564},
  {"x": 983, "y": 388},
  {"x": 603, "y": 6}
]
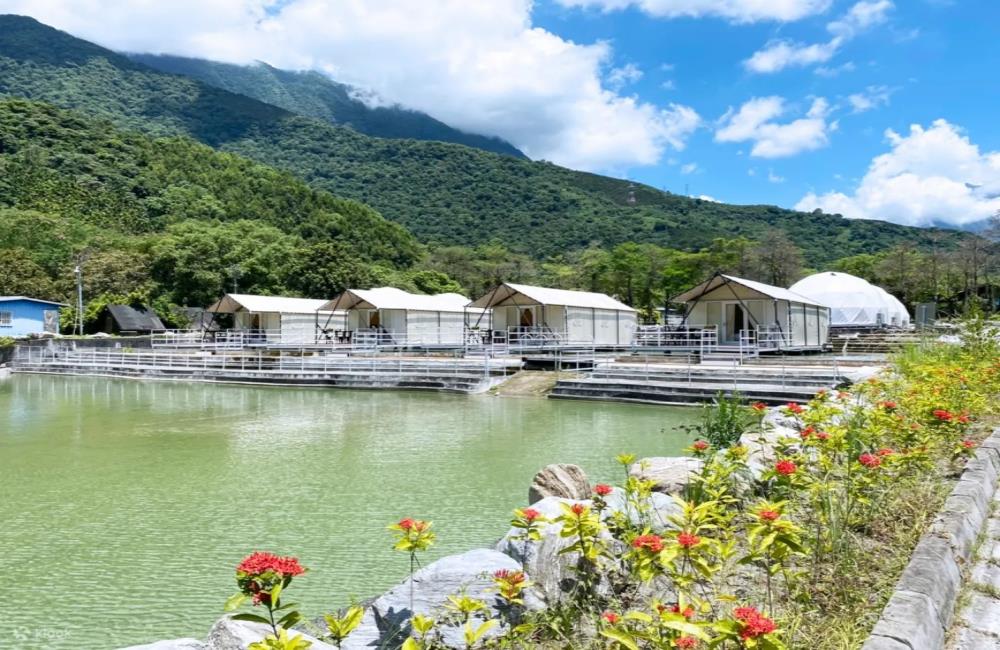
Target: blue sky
[
  {"x": 880, "y": 109},
  {"x": 927, "y": 60}
]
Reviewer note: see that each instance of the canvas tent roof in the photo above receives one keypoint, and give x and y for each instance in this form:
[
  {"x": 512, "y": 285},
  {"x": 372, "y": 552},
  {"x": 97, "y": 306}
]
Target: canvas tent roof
[
  {"x": 510, "y": 294},
  {"x": 853, "y": 301},
  {"x": 135, "y": 319},
  {"x": 766, "y": 290},
  {"x": 393, "y": 298},
  {"x": 234, "y": 302}
]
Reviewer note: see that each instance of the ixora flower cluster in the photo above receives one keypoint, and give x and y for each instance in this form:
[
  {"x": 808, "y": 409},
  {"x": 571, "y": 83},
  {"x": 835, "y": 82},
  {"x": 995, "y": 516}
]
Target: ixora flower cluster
[{"x": 775, "y": 542}]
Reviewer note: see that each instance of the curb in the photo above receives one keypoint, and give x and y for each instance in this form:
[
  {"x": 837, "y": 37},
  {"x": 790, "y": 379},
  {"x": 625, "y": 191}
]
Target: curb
[{"x": 920, "y": 610}]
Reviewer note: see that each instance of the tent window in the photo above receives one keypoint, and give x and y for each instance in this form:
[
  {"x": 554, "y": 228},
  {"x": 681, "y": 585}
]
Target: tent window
[{"x": 6, "y": 319}]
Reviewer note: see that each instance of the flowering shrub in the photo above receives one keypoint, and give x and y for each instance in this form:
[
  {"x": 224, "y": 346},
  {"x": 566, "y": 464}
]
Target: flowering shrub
[{"x": 261, "y": 578}]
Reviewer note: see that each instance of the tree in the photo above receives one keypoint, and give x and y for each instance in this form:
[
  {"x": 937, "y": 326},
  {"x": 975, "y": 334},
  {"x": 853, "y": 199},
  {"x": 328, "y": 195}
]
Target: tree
[
  {"x": 777, "y": 259},
  {"x": 21, "y": 276},
  {"x": 326, "y": 269}
]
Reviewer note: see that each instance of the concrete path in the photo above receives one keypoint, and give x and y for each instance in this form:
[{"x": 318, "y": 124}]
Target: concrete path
[{"x": 977, "y": 624}]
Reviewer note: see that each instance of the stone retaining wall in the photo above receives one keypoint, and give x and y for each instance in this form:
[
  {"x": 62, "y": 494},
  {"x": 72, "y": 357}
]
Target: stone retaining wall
[{"x": 920, "y": 611}]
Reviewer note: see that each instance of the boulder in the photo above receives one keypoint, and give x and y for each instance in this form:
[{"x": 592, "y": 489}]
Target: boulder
[
  {"x": 551, "y": 573},
  {"x": 670, "y": 474},
  {"x": 658, "y": 509},
  {"x": 559, "y": 480},
  {"x": 469, "y": 573},
  {"x": 228, "y": 634},
  {"x": 172, "y": 644}
]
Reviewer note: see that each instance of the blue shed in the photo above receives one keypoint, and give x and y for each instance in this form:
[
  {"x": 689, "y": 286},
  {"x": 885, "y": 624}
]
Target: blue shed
[{"x": 22, "y": 316}]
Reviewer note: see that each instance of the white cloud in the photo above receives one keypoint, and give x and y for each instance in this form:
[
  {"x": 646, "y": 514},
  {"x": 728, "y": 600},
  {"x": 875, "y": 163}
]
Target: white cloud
[
  {"x": 706, "y": 197},
  {"x": 834, "y": 71},
  {"x": 861, "y": 17},
  {"x": 755, "y": 122},
  {"x": 774, "y": 178},
  {"x": 873, "y": 97},
  {"x": 931, "y": 175},
  {"x": 479, "y": 66},
  {"x": 623, "y": 76},
  {"x": 668, "y": 85},
  {"x": 741, "y": 11},
  {"x": 689, "y": 168},
  {"x": 780, "y": 54}
]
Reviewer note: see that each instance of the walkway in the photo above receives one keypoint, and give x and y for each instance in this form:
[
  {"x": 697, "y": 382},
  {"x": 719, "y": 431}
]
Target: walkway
[{"x": 977, "y": 624}]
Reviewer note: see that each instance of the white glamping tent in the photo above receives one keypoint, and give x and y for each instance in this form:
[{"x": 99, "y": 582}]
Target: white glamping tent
[
  {"x": 853, "y": 301},
  {"x": 275, "y": 319},
  {"x": 391, "y": 316},
  {"x": 521, "y": 311}
]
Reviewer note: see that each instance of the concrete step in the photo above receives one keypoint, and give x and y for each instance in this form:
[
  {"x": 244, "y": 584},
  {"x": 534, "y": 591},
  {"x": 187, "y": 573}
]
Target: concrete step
[{"x": 658, "y": 394}]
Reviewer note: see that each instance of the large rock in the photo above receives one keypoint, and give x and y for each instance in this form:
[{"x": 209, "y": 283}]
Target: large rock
[
  {"x": 172, "y": 644},
  {"x": 551, "y": 572},
  {"x": 228, "y": 634},
  {"x": 654, "y": 513},
  {"x": 559, "y": 480},
  {"x": 671, "y": 475},
  {"x": 469, "y": 573}
]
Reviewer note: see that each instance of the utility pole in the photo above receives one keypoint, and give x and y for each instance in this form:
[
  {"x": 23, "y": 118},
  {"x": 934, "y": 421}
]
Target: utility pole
[
  {"x": 79, "y": 295},
  {"x": 236, "y": 272}
]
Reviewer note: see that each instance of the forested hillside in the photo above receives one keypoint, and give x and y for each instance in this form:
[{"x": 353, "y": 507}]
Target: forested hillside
[
  {"x": 171, "y": 218},
  {"x": 313, "y": 94},
  {"x": 443, "y": 193}
]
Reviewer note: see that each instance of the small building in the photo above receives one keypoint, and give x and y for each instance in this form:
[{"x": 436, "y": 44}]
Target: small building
[
  {"x": 391, "y": 316},
  {"x": 23, "y": 316},
  {"x": 128, "y": 319},
  {"x": 276, "y": 320},
  {"x": 520, "y": 311},
  {"x": 749, "y": 314}
]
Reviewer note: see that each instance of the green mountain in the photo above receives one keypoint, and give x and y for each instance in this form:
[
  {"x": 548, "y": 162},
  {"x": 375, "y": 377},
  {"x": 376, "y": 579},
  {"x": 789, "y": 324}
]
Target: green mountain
[
  {"x": 169, "y": 215},
  {"x": 313, "y": 94},
  {"x": 443, "y": 193}
]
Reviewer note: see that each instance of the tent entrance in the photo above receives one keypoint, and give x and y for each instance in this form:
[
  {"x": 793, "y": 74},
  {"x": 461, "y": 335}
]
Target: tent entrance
[{"x": 735, "y": 322}]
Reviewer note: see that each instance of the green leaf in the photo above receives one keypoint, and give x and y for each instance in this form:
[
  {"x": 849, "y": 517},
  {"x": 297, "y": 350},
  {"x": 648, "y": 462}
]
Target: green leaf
[
  {"x": 235, "y": 601},
  {"x": 621, "y": 637},
  {"x": 290, "y": 619},
  {"x": 253, "y": 618}
]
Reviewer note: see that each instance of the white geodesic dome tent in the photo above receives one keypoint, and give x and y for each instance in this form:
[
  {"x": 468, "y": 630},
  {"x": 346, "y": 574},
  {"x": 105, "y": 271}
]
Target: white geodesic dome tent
[{"x": 853, "y": 301}]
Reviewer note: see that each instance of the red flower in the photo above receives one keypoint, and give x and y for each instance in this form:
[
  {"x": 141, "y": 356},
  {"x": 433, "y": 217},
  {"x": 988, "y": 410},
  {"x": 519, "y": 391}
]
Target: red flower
[
  {"x": 885, "y": 451},
  {"x": 578, "y": 509},
  {"x": 964, "y": 418},
  {"x": 687, "y": 540},
  {"x": 687, "y": 613},
  {"x": 407, "y": 523},
  {"x": 257, "y": 563},
  {"x": 869, "y": 460},
  {"x": 652, "y": 543},
  {"x": 530, "y": 514},
  {"x": 969, "y": 444},
  {"x": 754, "y": 624},
  {"x": 508, "y": 576},
  {"x": 943, "y": 415},
  {"x": 760, "y": 407},
  {"x": 794, "y": 408},
  {"x": 686, "y": 642},
  {"x": 602, "y": 489},
  {"x": 610, "y": 617},
  {"x": 888, "y": 405},
  {"x": 822, "y": 435},
  {"x": 769, "y": 515},
  {"x": 843, "y": 394},
  {"x": 808, "y": 431},
  {"x": 700, "y": 445},
  {"x": 785, "y": 467}
]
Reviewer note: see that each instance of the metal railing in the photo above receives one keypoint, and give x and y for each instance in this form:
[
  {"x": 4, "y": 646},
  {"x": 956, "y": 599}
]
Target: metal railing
[
  {"x": 301, "y": 362},
  {"x": 702, "y": 339}
]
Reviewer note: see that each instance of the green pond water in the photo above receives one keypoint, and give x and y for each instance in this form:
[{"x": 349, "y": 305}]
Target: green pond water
[{"x": 125, "y": 506}]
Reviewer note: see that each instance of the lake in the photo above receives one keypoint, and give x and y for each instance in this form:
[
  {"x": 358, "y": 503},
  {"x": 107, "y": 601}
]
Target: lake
[{"x": 126, "y": 505}]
